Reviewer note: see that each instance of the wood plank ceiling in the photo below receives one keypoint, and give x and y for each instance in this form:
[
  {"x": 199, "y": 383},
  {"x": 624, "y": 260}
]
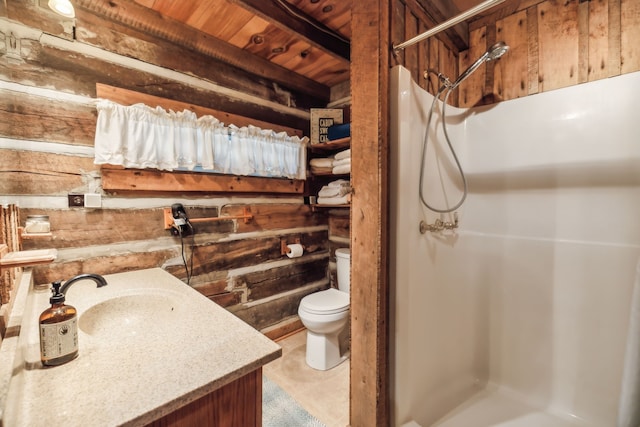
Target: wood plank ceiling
[
  {"x": 300, "y": 45},
  {"x": 307, "y": 37}
]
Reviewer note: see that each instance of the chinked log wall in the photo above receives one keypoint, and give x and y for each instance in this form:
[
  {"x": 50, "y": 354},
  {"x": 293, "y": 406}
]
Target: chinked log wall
[
  {"x": 47, "y": 126},
  {"x": 553, "y": 44}
]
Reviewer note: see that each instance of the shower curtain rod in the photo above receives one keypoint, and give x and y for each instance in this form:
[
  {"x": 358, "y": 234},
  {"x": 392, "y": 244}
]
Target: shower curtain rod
[{"x": 449, "y": 23}]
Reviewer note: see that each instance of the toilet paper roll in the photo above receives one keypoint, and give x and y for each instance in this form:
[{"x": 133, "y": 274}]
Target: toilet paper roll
[{"x": 295, "y": 250}]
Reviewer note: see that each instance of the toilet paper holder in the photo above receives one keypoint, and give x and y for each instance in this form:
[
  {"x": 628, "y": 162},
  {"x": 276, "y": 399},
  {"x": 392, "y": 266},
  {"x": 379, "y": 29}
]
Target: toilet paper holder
[{"x": 283, "y": 244}]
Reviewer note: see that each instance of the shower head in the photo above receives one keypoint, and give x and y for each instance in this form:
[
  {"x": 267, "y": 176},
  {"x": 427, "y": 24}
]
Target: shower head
[
  {"x": 497, "y": 50},
  {"x": 494, "y": 52}
]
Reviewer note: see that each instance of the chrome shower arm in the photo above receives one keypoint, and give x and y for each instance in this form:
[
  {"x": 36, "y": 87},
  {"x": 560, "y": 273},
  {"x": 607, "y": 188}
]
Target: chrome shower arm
[
  {"x": 469, "y": 70},
  {"x": 494, "y": 52}
]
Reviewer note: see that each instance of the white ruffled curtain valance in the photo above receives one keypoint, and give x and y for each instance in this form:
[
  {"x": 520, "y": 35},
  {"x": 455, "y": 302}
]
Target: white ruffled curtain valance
[{"x": 140, "y": 137}]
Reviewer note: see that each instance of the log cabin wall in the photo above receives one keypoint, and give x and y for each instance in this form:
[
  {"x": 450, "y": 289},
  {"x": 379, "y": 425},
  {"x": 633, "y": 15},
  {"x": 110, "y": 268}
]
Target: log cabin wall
[{"x": 49, "y": 68}]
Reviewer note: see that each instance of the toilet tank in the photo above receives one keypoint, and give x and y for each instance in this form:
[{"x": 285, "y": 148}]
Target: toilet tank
[{"x": 343, "y": 257}]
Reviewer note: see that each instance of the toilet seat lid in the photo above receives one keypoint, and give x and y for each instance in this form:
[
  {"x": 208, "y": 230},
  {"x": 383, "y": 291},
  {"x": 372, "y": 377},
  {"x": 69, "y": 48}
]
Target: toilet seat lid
[{"x": 330, "y": 301}]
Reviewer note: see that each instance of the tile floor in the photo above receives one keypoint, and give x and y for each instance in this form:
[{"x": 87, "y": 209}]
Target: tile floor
[{"x": 324, "y": 394}]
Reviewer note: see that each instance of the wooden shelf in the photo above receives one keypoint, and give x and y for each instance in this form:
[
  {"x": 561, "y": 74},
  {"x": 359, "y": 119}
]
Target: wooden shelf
[
  {"x": 328, "y": 208},
  {"x": 324, "y": 174},
  {"x": 116, "y": 178},
  {"x": 336, "y": 144},
  {"x": 28, "y": 258},
  {"x": 28, "y": 236},
  {"x": 331, "y": 146}
]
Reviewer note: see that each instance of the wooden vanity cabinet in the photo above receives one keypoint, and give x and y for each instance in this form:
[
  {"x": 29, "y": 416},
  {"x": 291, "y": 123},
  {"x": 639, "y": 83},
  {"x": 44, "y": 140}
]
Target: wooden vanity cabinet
[{"x": 238, "y": 403}]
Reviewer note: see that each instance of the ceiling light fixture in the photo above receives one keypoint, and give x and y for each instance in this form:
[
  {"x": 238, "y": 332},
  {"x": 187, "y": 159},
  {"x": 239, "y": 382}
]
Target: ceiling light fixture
[{"x": 62, "y": 7}]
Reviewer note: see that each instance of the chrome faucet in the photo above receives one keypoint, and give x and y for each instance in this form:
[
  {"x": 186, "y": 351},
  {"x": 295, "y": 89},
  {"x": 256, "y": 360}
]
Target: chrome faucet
[
  {"x": 100, "y": 281},
  {"x": 439, "y": 225}
]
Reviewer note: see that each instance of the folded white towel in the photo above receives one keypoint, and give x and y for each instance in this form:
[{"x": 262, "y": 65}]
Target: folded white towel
[
  {"x": 341, "y": 162},
  {"x": 342, "y": 169},
  {"x": 321, "y": 162},
  {"x": 339, "y": 183},
  {"x": 334, "y": 200},
  {"x": 343, "y": 154},
  {"x": 327, "y": 191}
]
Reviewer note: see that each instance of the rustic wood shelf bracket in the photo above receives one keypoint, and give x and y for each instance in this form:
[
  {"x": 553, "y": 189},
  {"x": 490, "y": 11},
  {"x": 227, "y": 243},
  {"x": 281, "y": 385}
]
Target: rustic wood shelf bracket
[
  {"x": 22, "y": 235},
  {"x": 246, "y": 216}
]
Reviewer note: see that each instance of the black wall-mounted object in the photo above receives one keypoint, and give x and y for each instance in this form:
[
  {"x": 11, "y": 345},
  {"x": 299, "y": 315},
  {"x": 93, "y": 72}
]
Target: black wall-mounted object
[{"x": 181, "y": 226}]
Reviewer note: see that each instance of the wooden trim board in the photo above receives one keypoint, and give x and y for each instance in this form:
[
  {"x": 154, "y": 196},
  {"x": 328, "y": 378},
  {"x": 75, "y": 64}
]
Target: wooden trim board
[{"x": 115, "y": 178}]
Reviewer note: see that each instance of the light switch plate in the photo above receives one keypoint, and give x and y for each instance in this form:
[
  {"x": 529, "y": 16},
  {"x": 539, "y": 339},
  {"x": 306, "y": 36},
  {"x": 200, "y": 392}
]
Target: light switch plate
[{"x": 92, "y": 200}]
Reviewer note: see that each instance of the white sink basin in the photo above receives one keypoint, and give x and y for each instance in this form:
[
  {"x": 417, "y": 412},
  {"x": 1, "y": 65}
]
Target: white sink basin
[
  {"x": 128, "y": 316},
  {"x": 148, "y": 345}
]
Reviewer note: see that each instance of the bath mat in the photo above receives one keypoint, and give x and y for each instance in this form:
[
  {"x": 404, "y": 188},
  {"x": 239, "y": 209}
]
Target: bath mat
[{"x": 281, "y": 410}]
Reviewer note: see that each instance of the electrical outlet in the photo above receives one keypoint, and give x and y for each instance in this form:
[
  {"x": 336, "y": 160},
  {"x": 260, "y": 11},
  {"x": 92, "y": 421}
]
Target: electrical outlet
[{"x": 76, "y": 200}]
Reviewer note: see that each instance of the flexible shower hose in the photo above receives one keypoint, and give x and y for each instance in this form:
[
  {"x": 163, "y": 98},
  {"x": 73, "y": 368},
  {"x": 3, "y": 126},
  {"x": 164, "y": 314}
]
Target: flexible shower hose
[{"x": 446, "y": 87}]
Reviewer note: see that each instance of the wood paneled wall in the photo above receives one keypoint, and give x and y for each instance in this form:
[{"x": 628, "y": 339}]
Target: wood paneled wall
[
  {"x": 339, "y": 237},
  {"x": 408, "y": 19},
  {"x": 47, "y": 125},
  {"x": 553, "y": 44}
]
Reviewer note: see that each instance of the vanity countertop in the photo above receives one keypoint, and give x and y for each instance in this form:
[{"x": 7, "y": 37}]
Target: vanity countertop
[{"x": 130, "y": 373}]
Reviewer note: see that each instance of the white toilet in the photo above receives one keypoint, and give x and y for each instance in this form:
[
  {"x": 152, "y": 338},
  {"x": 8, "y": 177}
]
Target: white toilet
[{"x": 325, "y": 314}]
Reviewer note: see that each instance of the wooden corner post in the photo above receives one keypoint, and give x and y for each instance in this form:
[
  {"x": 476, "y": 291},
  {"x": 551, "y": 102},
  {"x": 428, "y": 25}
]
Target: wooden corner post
[{"x": 370, "y": 55}]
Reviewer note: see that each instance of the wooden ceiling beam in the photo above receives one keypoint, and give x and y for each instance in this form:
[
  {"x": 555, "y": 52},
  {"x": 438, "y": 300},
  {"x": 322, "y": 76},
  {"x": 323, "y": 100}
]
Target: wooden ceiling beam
[
  {"x": 134, "y": 15},
  {"x": 316, "y": 34}
]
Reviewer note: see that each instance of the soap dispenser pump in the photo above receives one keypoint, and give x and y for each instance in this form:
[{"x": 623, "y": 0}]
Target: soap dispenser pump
[{"x": 58, "y": 330}]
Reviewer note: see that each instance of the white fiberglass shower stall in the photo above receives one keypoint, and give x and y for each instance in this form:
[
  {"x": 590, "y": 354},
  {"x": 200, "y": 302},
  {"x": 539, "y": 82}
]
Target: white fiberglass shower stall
[{"x": 527, "y": 314}]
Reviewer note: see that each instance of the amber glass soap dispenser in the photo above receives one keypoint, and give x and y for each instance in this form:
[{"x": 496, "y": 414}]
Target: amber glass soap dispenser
[{"x": 58, "y": 330}]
